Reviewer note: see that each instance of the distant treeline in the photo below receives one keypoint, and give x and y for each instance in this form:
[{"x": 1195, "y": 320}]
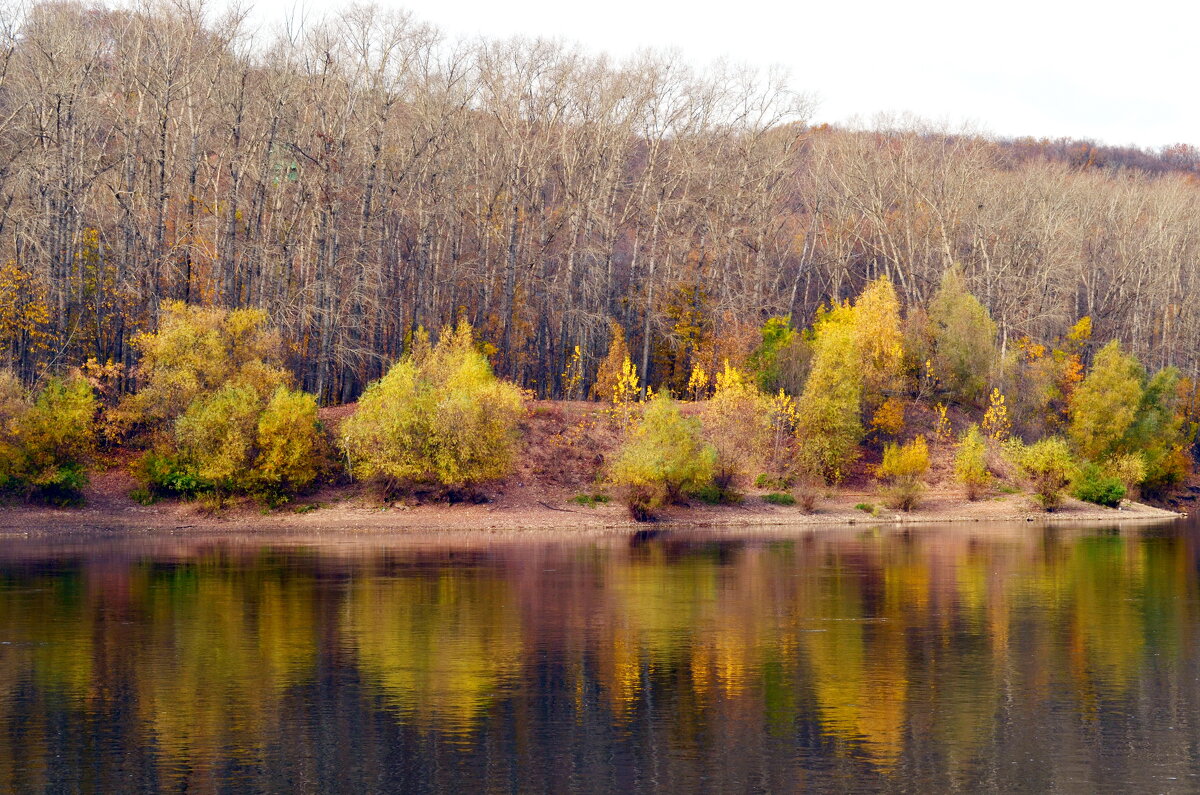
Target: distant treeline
[{"x": 363, "y": 177}]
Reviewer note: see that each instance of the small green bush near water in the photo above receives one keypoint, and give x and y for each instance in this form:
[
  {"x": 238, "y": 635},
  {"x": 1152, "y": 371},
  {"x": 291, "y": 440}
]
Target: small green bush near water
[
  {"x": 590, "y": 500},
  {"x": 1092, "y": 485},
  {"x": 777, "y": 498},
  {"x": 1048, "y": 465},
  {"x": 664, "y": 458}
]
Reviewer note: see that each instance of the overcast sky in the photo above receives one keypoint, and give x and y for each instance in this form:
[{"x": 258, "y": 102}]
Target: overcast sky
[{"x": 1021, "y": 67}]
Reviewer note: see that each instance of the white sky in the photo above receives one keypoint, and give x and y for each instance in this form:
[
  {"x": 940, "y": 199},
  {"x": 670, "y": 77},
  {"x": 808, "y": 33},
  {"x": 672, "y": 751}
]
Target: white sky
[{"x": 1119, "y": 75}]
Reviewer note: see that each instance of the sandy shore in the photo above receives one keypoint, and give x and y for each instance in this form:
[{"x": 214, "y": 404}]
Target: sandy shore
[{"x": 527, "y": 516}]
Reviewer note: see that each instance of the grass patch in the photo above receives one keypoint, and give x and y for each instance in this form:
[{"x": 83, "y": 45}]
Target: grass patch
[
  {"x": 777, "y": 498},
  {"x": 591, "y": 500},
  {"x": 712, "y": 494},
  {"x": 765, "y": 481},
  {"x": 143, "y": 496},
  {"x": 867, "y": 507}
]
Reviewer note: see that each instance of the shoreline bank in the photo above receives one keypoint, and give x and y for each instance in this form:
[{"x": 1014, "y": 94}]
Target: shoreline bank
[{"x": 529, "y": 516}]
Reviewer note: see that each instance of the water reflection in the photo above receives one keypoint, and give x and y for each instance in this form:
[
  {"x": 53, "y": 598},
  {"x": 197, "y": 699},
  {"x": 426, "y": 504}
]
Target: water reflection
[{"x": 953, "y": 657}]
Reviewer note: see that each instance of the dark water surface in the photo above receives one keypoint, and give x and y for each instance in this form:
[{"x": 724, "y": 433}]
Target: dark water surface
[{"x": 973, "y": 657}]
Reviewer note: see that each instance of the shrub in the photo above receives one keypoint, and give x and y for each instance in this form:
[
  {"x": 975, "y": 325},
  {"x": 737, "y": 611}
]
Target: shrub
[
  {"x": 765, "y": 481},
  {"x": 776, "y": 498},
  {"x": 1129, "y": 468},
  {"x": 1092, "y": 485},
  {"x": 663, "y": 457},
  {"x": 440, "y": 417},
  {"x": 45, "y": 445},
  {"x": 195, "y": 352},
  {"x": 712, "y": 494},
  {"x": 737, "y": 423},
  {"x": 216, "y": 436},
  {"x": 964, "y": 339},
  {"x": 590, "y": 500},
  {"x": 970, "y": 463},
  {"x": 902, "y": 468},
  {"x": 290, "y": 443},
  {"x": 226, "y": 421},
  {"x": 828, "y": 427},
  {"x": 1048, "y": 466},
  {"x": 1106, "y": 405}
]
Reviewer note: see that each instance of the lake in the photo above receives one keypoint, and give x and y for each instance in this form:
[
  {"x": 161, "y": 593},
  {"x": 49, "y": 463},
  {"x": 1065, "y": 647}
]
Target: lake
[{"x": 999, "y": 657}]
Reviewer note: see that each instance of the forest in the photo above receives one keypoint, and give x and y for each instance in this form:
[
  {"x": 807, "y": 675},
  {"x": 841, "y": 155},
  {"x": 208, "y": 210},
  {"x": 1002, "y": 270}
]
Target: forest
[
  {"x": 206, "y": 234},
  {"x": 362, "y": 177}
]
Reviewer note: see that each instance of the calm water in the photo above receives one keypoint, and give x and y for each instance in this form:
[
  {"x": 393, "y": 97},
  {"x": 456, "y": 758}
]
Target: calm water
[{"x": 1013, "y": 658}]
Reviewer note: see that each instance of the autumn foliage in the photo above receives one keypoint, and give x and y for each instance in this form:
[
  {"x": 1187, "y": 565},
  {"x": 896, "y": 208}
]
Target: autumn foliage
[{"x": 439, "y": 419}]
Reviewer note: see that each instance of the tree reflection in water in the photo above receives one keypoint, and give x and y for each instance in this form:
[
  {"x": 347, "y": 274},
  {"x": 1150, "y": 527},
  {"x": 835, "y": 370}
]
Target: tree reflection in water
[{"x": 949, "y": 657}]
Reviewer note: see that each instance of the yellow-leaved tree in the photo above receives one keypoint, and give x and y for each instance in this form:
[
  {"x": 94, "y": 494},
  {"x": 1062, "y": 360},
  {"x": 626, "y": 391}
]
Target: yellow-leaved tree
[
  {"x": 1105, "y": 406},
  {"x": 440, "y": 418},
  {"x": 858, "y": 356},
  {"x": 829, "y": 425},
  {"x": 738, "y": 424},
  {"x": 218, "y": 410}
]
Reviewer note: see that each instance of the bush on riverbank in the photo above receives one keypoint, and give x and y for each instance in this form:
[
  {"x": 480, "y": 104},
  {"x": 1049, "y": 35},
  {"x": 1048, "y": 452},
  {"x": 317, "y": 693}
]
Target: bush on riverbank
[
  {"x": 1048, "y": 465},
  {"x": 440, "y": 418},
  {"x": 217, "y": 411},
  {"x": 46, "y": 440},
  {"x": 664, "y": 456},
  {"x": 902, "y": 471}
]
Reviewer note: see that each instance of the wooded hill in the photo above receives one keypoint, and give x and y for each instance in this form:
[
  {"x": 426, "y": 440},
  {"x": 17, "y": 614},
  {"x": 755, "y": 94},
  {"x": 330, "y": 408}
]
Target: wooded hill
[{"x": 363, "y": 177}]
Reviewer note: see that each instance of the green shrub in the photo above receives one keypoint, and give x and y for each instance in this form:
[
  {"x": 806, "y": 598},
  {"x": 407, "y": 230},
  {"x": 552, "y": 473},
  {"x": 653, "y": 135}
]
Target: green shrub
[
  {"x": 964, "y": 336},
  {"x": 1048, "y": 466},
  {"x": 902, "y": 469},
  {"x": 162, "y": 472},
  {"x": 1105, "y": 405},
  {"x": 1090, "y": 484},
  {"x": 439, "y": 417},
  {"x": 45, "y": 445},
  {"x": 712, "y": 494},
  {"x": 766, "y": 481},
  {"x": 664, "y": 457},
  {"x": 777, "y": 498},
  {"x": 970, "y": 463},
  {"x": 1129, "y": 468},
  {"x": 590, "y": 500}
]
